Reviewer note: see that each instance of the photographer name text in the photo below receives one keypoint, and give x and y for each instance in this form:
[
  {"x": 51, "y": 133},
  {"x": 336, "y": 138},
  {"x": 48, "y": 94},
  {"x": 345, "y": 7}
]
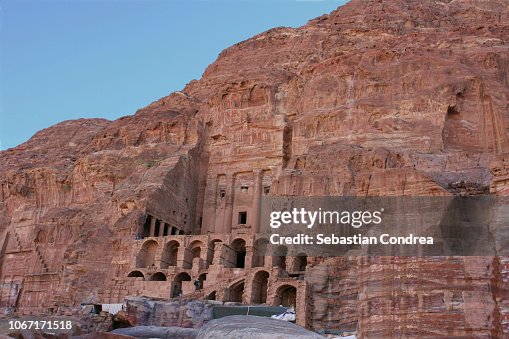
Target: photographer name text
[{"x": 358, "y": 239}]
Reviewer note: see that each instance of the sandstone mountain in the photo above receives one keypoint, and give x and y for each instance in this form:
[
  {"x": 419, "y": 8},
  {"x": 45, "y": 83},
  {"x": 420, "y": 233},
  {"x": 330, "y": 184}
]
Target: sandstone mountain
[{"x": 393, "y": 97}]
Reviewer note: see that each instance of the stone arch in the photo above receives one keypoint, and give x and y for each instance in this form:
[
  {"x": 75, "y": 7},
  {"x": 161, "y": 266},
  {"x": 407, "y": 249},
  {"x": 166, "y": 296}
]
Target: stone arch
[
  {"x": 239, "y": 246},
  {"x": 236, "y": 291},
  {"x": 261, "y": 251},
  {"x": 259, "y": 287},
  {"x": 193, "y": 251},
  {"x": 286, "y": 295},
  {"x": 211, "y": 296},
  {"x": 279, "y": 258},
  {"x": 201, "y": 279},
  {"x": 170, "y": 254},
  {"x": 158, "y": 276},
  {"x": 177, "y": 283},
  {"x": 147, "y": 254},
  {"x": 41, "y": 237},
  {"x": 300, "y": 262},
  {"x": 136, "y": 274}
]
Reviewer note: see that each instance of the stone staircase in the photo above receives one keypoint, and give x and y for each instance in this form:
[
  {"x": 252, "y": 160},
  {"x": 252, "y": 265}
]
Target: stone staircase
[
  {"x": 42, "y": 262},
  {"x": 3, "y": 247},
  {"x": 12, "y": 242},
  {"x": 17, "y": 240}
]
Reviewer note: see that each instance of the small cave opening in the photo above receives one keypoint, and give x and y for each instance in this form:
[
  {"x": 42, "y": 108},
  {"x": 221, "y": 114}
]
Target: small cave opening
[
  {"x": 452, "y": 110},
  {"x": 454, "y": 134}
]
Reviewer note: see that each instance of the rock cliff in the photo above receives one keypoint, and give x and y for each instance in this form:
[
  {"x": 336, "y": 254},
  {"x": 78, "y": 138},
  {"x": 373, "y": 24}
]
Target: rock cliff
[{"x": 396, "y": 97}]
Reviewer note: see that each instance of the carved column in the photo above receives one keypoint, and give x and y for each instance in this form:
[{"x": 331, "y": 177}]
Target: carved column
[
  {"x": 162, "y": 225},
  {"x": 210, "y": 206},
  {"x": 213, "y": 227},
  {"x": 228, "y": 219},
  {"x": 257, "y": 200},
  {"x": 152, "y": 226}
]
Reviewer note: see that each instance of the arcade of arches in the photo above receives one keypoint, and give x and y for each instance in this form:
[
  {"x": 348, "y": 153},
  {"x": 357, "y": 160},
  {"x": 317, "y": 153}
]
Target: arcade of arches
[{"x": 223, "y": 268}]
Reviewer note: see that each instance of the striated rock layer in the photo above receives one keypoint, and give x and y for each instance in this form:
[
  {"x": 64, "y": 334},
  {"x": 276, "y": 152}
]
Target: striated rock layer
[{"x": 396, "y": 97}]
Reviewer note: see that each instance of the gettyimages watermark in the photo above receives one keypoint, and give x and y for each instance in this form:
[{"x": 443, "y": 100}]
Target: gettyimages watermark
[
  {"x": 395, "y": 226},
  {"x": 302, "y": 216}
]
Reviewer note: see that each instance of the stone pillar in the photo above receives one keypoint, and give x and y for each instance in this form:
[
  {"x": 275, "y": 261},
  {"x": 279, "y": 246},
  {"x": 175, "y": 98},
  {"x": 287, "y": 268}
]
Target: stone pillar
[
  {"x": 152, "y": 226},
  {"x": 218, "y": 251},
  {"x": 228, "y": 219},
  {"x": 204, "y": 254},
  {"x": 181, "y": 255},
  {"x": 209, "y": 224},
  {"x": 269, "y": 261},
  {"x": 159, "y": 253},
  {"x": 257, "y": 200},
  {"x": 248, "y": 263},
  {"x": 303, "y": 306},
  {"x": 289, "y": 263},
  {"x": 196, "y": 265},
  {"x": 162, "y": 225}
]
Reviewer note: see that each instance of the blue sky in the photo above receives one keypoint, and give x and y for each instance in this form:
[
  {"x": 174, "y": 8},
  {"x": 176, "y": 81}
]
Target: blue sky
[{"x": 70, "y": 59}]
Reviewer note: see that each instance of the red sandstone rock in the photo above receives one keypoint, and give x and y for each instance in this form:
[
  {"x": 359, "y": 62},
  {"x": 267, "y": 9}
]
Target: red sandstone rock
[{"x": 377, "y": 98}]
